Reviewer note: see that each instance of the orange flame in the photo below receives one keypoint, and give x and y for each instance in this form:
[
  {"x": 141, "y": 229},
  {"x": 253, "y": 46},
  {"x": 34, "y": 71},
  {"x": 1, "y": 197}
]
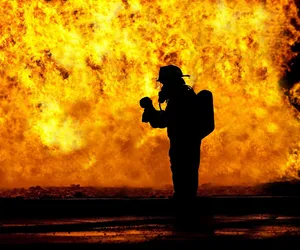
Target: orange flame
[{"x": 72, "y": 74}]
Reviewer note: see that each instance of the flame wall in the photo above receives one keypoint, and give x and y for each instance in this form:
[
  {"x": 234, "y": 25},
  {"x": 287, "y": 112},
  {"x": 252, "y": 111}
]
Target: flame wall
[{"x": 73, "y": 71}]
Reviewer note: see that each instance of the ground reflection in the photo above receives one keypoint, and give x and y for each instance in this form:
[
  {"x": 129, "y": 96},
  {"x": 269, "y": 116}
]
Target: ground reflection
[{"x": 147, "y": 229}]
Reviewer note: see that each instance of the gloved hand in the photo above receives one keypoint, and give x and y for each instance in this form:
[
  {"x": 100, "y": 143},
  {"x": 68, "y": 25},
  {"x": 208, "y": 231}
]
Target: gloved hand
[{"x": 147, "y": 104}]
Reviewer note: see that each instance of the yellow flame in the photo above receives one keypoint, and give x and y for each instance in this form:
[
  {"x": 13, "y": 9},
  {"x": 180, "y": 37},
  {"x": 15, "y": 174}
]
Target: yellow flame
[{"x": 72, "y": 74}]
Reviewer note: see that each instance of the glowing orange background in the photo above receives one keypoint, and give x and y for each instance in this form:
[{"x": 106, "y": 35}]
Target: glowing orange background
[{"x": 73, "y": 72}]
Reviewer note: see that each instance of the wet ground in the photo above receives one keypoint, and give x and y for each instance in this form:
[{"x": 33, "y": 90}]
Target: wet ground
[
  {"x": 147, "y": 231},
  {"x": 148, "y": 223}
]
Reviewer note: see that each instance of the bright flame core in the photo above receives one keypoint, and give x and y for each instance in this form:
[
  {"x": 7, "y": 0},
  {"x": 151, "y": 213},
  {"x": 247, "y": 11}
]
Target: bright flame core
[{"x": 72, "y": 74}]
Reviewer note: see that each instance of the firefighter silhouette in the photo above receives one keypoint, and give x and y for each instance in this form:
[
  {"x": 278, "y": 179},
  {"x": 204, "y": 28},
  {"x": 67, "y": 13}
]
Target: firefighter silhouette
[{"x": 188, "y": 117}]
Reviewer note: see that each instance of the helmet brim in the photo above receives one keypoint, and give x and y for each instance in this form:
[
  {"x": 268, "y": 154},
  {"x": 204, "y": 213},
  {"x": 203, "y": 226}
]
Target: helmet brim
[{"x": 160, "y": 79}]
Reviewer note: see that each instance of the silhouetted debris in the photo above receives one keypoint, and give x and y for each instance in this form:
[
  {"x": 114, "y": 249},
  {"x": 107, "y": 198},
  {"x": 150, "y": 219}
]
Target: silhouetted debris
[
  {"x": 278, "y": 188},
  {"x": 36, "y": 189},
  {"x": 80, "y": 195},
  {"x": 290, "y": 188},
  {"x": 206, "y": 185}
]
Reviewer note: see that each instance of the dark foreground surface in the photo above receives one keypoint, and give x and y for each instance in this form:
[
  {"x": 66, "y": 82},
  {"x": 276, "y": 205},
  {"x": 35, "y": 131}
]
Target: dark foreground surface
[
  {"x": 152, "y": 232},
  {"x": 86, "y": 207},
  {"x": 148, "y": 223}
]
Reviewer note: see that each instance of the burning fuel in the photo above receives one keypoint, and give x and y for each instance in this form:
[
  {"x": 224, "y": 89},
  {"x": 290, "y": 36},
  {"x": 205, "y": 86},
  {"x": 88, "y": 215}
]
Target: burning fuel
[{"x": 72, "y": 74}]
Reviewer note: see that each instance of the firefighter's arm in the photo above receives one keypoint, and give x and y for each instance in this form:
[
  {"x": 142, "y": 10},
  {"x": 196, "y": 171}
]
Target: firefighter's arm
[{"x": 158, "y": 119}]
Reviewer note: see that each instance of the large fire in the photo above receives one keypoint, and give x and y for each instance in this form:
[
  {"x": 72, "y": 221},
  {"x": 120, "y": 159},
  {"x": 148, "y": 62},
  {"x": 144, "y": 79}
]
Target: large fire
[{"x": 73, "y": 72}]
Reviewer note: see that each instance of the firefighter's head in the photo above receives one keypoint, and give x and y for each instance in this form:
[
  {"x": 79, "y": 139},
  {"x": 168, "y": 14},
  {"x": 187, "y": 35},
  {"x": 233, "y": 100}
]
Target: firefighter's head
[
  {"x": 171, "y": 75},
  {"x": 171, "y": 78}
]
